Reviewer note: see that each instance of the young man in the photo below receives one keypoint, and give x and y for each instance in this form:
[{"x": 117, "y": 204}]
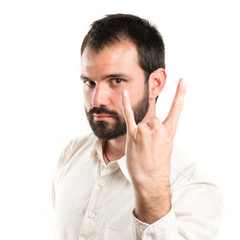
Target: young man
[{"x": 126, "y": 180}]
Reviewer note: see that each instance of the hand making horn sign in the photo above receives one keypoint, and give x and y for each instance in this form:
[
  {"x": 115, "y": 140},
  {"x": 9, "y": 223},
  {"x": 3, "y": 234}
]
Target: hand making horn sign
[{"x": 148, "y": 153}]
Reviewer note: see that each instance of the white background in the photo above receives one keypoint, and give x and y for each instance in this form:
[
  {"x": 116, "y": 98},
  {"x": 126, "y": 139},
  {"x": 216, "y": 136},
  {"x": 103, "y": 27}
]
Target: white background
[{"x": 41, "y": 102}]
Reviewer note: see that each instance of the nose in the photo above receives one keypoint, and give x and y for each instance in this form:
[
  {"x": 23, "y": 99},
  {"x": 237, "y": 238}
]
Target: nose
[{"x": 100, "y": 96}]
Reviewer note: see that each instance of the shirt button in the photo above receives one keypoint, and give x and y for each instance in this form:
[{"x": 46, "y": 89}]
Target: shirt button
[
  {"x": 91, "y": 214},
  {"x": 102, "y": 183}
]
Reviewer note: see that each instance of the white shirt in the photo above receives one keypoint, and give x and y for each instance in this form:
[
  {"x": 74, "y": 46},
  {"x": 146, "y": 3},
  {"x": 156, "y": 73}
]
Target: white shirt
[{"x": 95, "y": 201}]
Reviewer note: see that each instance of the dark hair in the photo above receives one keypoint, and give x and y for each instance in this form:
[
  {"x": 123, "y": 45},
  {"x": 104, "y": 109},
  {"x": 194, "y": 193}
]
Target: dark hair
[{"x": 118, "y": 27}]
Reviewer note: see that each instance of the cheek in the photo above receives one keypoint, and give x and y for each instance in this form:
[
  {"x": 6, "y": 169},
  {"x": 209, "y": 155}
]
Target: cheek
[
  {"x": 117, "y": 98},
  {"x": 87, "y": 99},
  {"x": 134, "y": 97}
]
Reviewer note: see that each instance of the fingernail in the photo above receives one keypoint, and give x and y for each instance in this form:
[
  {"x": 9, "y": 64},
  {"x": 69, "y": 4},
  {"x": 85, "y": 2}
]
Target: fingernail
[
  {"x": 125, "y": 92},
  {"x": 183, "y": 82}
]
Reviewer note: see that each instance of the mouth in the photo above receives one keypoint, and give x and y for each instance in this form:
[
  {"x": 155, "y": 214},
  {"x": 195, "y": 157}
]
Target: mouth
[{"x": 102, "y": 117}]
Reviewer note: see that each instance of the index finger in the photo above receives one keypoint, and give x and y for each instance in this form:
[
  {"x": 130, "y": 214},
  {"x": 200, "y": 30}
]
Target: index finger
[
  {"x": 127, "y": 111},
  {"x": 177, "y": 105}
]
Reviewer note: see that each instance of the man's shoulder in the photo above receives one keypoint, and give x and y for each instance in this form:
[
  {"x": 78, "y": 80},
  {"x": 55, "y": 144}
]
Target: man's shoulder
[
  {"x": 80, "y": 141},
  {"x": 185, "y": 167},
  {"x": 75, "y": 146},
  {"x": 192, "y": 188}
]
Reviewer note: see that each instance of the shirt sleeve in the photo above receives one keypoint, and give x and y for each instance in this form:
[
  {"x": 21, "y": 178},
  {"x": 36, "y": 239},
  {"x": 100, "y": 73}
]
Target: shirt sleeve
[
  {"x": 195, "y": 215},
  {"x": 163, "y": 229}
]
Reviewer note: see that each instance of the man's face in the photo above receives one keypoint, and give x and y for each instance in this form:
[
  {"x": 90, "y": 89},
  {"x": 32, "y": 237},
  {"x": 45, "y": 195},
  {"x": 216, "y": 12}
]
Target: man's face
[{"x": 105, "y": 75}]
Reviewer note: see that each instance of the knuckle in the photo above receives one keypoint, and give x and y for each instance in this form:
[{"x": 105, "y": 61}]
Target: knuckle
[
  {"x": 142, "y": 128},
  {"x": 178, "y": 105},
  {"x": 154, "y": 123},
  {"x": 156, "y": 128},
  {"x": 128, "y": 113}
]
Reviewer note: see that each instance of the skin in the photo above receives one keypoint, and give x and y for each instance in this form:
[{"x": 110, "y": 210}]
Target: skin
[{"x": 148, "y": 145}]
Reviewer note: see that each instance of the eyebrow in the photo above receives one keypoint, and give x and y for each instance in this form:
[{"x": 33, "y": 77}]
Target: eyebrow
[
  {"x": 85, "y": 78},
  {"x": 114, "y": 75}
]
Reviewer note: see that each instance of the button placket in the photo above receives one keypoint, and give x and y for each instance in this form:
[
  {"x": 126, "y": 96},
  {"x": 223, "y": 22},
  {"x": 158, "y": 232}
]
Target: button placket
[
  {"x": 91, "y": 214},
  {"x": 101, "y": 183},
  {"x": 95, "y": 202}
]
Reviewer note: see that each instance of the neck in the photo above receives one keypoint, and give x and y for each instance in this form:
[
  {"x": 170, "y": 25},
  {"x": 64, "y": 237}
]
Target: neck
[{"x": 115, "y": 148}]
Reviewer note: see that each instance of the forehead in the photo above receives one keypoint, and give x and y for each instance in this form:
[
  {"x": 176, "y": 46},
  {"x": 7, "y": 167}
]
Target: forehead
[{"x": 120, "y": 57}]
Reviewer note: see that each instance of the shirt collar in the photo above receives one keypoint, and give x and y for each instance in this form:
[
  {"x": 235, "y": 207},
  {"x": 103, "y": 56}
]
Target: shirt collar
[
  {"x": 122, "y": 164},
  {"x": 97, "y": 147}
]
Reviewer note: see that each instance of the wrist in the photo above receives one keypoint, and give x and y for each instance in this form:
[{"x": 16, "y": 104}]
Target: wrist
[
  {"x": 152, "y": 205},
  {"x": 151, "y": 210},
  {"x": 152, "y": 187}
]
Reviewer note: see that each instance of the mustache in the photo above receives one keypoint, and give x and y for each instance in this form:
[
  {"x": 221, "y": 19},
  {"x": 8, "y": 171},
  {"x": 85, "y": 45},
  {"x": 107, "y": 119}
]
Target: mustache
[{"x": 99, "y": 110}]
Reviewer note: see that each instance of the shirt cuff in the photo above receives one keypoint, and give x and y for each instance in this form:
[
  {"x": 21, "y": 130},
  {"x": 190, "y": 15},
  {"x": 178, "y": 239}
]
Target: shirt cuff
[{"x": 163, "y": 229}]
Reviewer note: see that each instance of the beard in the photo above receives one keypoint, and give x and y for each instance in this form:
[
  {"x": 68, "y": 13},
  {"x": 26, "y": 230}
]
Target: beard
[{"x": 105, "y": 130}]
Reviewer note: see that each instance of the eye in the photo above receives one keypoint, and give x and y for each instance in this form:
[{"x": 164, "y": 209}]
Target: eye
[
  {"x": 89, "y": 83},
  {"x": 116, "y": 81}
]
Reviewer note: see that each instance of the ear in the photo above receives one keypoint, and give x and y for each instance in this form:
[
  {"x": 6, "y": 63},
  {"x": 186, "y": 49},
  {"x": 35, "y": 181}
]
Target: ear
[{"x": 157, "y": 82}]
